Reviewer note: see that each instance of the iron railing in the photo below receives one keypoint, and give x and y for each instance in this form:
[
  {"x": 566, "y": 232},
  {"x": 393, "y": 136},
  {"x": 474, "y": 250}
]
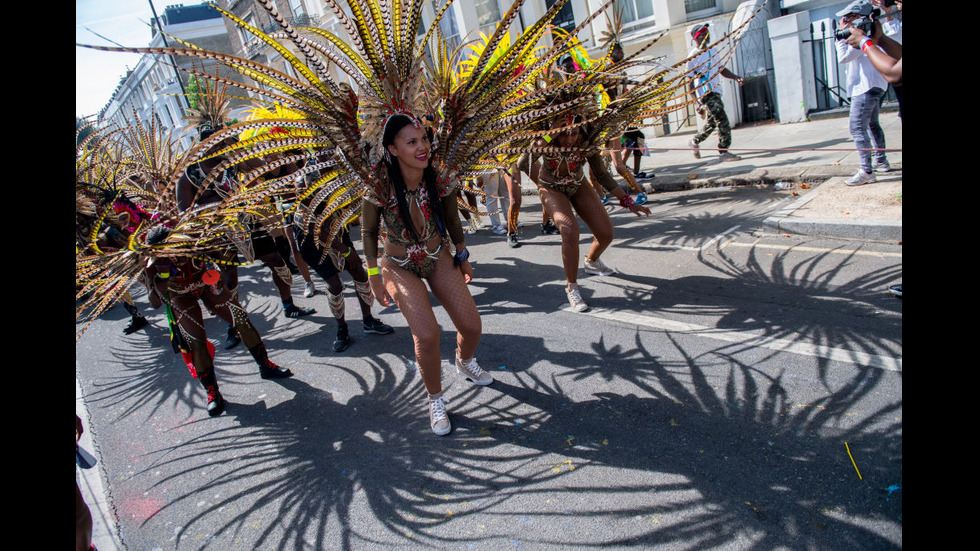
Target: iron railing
[{"x": 828, "y": 75}]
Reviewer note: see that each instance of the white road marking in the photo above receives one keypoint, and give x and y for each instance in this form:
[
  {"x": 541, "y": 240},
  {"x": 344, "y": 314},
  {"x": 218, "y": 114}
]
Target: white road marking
[
  {"x": 756, "y": 245},
  {"x": 811, "y": 249},
  {"x": 751, "y": 339}
]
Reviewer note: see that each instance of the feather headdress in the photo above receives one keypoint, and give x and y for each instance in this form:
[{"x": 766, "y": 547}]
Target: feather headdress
[
  {"x": 613, "y": 34},
  {"x": 211, "y": 105},
  {"x": 125, "y": 194},
  {"x": 497, "y": 107}
]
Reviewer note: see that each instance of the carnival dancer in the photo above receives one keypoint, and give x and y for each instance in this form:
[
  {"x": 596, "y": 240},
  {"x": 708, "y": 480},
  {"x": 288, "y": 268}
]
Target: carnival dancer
[
  {"x": 422, "y": 223},
  {"x": 170, "y": 250},
  {"x": 620, "y": 146},
  {"x": 578, "y": 65},
  {"x": 112, "y": 238},
  {"x": 564, "y": 191},
  {"x": 182, "y": 284},
  {"x": 340, "y": 256},
  {"x": 199, "y": 186}
]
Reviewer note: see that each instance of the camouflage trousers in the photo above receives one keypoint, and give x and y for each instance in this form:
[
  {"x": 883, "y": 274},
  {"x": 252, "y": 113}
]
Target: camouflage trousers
[{"x": 716, "y": 118}]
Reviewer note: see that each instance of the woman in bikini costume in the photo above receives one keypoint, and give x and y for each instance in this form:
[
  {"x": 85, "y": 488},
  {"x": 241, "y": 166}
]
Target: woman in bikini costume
[
  {"x": 422, "y": 221},
  {"x": 563, "y": 186}
]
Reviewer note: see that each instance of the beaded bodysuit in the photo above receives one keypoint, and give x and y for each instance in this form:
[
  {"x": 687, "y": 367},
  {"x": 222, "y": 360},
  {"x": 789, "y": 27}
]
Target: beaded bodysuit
[
  {"x": 574, "y": 161},
  {"x": 418, "y": 259}
]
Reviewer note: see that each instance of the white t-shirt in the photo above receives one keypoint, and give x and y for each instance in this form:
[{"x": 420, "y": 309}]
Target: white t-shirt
[
  {"x": 861, "y": 74},
  {"x": 700, "y": 67}
]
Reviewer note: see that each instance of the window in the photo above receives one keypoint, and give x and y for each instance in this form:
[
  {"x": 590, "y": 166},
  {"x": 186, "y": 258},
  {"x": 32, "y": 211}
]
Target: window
[
  {"x": 246, "y": 37},
  {"x": 691, "y": 6},
  {"x": 635, "y": 11},
  {"x": 564, "y": 18},
  {"x": 299, "y": 12},
  {"x": 487, "y": 15},
  {"x": 449, "y": 28}
]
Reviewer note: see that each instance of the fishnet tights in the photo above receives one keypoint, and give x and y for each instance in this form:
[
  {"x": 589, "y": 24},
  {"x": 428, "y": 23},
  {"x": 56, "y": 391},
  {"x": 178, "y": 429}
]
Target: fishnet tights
[{"x": 412, "y": 297}]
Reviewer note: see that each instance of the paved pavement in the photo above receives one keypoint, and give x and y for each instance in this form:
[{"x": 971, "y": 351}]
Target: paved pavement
[{"x": 814, "y": 157}]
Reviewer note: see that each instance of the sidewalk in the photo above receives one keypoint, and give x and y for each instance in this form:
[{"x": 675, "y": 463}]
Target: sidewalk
[{"x": 815, "y": 157}]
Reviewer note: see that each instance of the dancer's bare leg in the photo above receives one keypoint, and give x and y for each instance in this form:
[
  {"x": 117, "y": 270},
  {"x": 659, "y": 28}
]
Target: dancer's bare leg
[
  {"x": 560, "y": 208},
  {"x": 590, "y": 209}
]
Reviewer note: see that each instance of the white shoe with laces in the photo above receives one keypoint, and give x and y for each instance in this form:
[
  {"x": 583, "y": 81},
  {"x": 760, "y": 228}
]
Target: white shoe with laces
[
  {"x": 596, "y": 267},
  {"x": 472, "y": 371},
  {"x": 310, "y": 290},
  {"x": 861, "y": 178},
  {"x": 575, "y": 300},
  {"x": 438, "y": 418}
]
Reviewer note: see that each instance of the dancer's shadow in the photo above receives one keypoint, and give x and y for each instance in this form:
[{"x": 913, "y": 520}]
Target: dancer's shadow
[{"x": 712, "y": 446}]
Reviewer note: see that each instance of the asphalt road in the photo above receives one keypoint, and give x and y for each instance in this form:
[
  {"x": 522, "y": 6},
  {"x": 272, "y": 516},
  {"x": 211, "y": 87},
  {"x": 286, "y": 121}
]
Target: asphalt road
[{"x": 728, "y": 389}]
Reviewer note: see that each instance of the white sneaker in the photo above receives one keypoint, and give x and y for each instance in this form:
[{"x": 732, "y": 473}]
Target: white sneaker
[
  {"x": 861, "y": 178},
  {"x": 596, "y": 267},
  {"x": 883, "y": 167},
  {"x": 310, "y": 290},
  {"x": 499, "y": 230},
  {"x": 575, "y": 300},
  {"x": 438, "y": 418},
  {"x": 472, "y": 371}
]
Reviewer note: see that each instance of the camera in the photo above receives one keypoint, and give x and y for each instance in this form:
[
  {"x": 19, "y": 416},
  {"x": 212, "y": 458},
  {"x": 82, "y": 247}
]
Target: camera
[{"x": 866, "y": 24}]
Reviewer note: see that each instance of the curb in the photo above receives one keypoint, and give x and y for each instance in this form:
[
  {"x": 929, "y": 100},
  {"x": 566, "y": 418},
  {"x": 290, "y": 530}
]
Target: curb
[
  {"x": 868, "y": 230},
  {"x": 756, "y": 176},
  {"x": 782, "y": 221}
]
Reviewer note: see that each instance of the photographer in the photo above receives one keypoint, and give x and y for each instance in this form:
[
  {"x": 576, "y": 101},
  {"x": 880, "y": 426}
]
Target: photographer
[
  {"x": 866, "y": 86},
  {"x": 886, "y": 58},
  {"x": 885, "y": 53}
]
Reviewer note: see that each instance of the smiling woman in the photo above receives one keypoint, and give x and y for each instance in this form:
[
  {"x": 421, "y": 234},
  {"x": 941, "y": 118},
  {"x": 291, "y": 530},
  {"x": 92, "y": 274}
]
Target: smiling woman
[{"x": 422, "y": 219}]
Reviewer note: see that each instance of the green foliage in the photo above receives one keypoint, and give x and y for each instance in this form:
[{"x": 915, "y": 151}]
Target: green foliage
[
  {"x": 193, "y": 92},
  {"x": 84, "y": 131}
]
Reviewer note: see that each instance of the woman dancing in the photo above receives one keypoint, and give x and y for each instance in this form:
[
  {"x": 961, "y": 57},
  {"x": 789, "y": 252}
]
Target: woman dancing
[
  {"x": 421, "y": 221},
  {"x": 563, "y": 186}
]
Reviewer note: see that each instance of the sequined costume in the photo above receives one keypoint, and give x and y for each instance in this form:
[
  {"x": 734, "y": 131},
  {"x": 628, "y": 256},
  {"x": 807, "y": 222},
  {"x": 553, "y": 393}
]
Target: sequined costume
[
  {"x": 564, "y": 171},
  {"x": 421, "y": 256}
]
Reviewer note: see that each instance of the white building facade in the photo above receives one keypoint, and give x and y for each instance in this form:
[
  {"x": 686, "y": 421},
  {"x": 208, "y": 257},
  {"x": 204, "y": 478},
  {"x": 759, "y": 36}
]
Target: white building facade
[
  {"x": 154, "y": 90},
  {"x": 788, "y": 71}
]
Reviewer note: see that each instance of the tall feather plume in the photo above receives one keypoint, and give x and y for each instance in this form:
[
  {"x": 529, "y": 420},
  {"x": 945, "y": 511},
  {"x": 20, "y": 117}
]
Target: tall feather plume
[{"x": 495, "y": 111}]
